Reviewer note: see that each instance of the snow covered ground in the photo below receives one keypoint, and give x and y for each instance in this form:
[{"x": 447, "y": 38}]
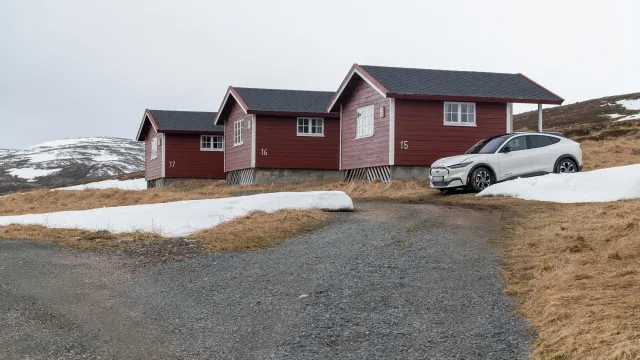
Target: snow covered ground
[
  {"x": 135, "y": 184},
  {"x": 611, "y": 184},
  {"x": 31, "y": 173},
  {"x": 79, "y": 158},
  {"x": 183, "y": 217},
  {"x": 629, "y": 104}
]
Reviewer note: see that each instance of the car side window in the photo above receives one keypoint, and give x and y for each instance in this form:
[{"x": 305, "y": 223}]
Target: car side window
[
  {"x": 516, "y": 144},
  {"x": 538, "y": 141},
  {"x": 554, "y": 140}
]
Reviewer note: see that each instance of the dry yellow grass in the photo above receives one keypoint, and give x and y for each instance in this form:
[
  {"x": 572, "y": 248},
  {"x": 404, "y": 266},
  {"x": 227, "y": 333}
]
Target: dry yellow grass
[
  {"x": 75, "y": 238},
  {"x": 575, "y": 271},
  {"x": 260, "y": 230},
  {"x": 612, "y": 152},
  {"x": 257, "y": 230},
  {"x": 43, "y": 201}
]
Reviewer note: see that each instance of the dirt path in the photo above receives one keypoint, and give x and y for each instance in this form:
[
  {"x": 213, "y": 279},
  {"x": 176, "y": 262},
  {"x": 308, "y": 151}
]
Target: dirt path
[{"x": 391, "y": 281}]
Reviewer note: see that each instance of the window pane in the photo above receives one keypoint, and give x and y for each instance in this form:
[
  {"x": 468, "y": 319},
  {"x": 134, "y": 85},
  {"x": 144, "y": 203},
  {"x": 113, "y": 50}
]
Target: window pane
[
  {"x": 463, "y": 118},
  {"x": 538, "y": 141}
]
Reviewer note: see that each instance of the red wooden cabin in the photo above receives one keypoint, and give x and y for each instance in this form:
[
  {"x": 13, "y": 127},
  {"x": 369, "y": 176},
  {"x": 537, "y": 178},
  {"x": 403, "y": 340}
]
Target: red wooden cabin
[
  {"x": 279, "y": 136},
  {"x": 181, "y": 145},
  {"x": 395, "y": 122}
]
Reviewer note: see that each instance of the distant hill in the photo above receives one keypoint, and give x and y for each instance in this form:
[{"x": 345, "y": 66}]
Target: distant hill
[
  {"x": 69, "y": 161},
  {"x": 619, "y": 108}
]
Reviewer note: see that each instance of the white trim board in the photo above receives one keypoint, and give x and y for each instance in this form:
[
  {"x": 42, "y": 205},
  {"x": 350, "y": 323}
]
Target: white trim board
[
  {"x": 224, "y": 102},
  {"x": 354, "y": 70},
  {"x": 392, "y": 131},
  {"x": 253, "y": 140}
]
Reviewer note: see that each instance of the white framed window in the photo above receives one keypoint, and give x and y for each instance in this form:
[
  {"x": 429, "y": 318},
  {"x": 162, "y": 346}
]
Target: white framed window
[
  {"x": 460, "y": 114},
  {"x": 364, "y": 122},
  {"x": 154, "y": 148},
  {"x": 238, "y": 138},
  {"x": 310, "y": 127},
  {"x": 211, "y": 143}
]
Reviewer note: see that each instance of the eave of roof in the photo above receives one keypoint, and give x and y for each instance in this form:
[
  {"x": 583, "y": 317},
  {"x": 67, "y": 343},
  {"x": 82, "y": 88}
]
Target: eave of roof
[{"x": 359, "y": 70}]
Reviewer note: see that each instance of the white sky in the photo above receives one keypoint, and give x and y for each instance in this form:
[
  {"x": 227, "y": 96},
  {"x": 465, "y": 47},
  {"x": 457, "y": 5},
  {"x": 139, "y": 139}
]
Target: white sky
[{"x": 72, "y": 68}]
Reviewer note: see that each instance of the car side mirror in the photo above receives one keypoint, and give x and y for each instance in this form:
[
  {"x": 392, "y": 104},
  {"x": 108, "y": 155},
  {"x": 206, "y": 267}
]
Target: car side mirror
[{"x": 506, "y": 149}]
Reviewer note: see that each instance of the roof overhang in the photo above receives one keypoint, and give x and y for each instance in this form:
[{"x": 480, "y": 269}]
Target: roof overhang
[
  {"x": 474, "y": 99},
  {"x": 297, "y": 114},
  {"x": 361, "y": 72},
  {"x": 194, "y": 132},
  {"x": 147, "y": 116},
  {"x": 231, "y": 92}
]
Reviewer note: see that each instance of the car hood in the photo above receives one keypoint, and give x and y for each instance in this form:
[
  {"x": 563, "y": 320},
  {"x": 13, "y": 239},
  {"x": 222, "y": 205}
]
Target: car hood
[{"x": 453, "y": 160}]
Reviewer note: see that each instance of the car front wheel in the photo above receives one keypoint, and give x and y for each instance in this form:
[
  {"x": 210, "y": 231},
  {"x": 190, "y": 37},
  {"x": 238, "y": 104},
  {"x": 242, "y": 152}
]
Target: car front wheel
[
  {"x": 481, "y": 178},
  {"x": 566, "y": 165}
]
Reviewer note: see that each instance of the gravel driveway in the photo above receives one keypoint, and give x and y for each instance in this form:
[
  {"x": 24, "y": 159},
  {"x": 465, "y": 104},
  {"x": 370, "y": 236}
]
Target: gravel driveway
[{"x": 390, "y": 281}]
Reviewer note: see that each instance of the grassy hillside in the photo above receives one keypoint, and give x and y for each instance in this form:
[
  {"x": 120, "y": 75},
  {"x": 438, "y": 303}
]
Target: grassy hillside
[{"x": 595, "y": 111}]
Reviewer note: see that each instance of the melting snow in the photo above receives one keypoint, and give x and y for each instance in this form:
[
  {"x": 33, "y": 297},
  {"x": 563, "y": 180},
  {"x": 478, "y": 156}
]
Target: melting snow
[
  {"x": 30, "y": 173},
  {"x": 135, "y": 184},
  {"x": 630, "y": 104},
  {"x": 611, "y": 184},
  {"x": 630, "y": 117},
  {"x": 183, "y": 217}
]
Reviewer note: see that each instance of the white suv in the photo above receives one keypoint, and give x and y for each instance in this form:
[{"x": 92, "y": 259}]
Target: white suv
[{"x": 506, "y": 157}]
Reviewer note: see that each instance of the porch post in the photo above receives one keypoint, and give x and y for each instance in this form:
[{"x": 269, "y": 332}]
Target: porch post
[
  {"x": 540, "y": 117},
  {"x": 509, "y": 117}
]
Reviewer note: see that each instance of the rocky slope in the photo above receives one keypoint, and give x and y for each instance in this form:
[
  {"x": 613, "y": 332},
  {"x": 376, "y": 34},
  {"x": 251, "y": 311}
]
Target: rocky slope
[{"x": 67, "y": 161}]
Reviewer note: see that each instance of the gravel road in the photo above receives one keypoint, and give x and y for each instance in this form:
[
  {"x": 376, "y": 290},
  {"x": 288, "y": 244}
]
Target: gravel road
[{"x": 390, "y": 281}]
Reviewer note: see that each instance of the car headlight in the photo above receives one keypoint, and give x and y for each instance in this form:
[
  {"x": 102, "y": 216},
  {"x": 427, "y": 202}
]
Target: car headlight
[{"x": 461, "y": 165}]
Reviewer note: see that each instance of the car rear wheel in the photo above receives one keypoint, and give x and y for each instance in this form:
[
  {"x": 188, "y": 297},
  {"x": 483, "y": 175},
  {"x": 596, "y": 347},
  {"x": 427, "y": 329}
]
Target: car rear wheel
[
  {"x": 481, "y": 178},
  {"x": 566, "y": 165}
]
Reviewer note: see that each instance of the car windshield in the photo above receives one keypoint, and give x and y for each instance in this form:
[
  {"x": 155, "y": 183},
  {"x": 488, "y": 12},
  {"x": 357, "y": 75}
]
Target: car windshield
[{"x": 488, "y": 145}]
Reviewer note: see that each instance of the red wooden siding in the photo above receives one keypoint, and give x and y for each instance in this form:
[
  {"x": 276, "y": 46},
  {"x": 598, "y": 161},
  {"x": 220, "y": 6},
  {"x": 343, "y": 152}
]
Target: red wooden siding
[
  {"x": 184, "y": 159},
  {"x": 237, "y": 157},
  {"x": 286, "y": 150},
  {"x": 153, "y": 167},
  {"x": 421, "y": 124},
  {"x": 369, "y": 151}
]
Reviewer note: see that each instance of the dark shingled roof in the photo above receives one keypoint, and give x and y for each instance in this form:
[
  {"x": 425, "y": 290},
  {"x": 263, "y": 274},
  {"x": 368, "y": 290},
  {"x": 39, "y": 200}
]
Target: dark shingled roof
[
  {"x": 185, "y": 120},
  {"x": 458, "y": 83},
  {"x": 300, "y": 101}
]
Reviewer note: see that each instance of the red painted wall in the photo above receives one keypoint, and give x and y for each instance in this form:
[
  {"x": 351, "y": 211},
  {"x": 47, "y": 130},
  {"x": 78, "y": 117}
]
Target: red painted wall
[
  {"x": 153, "y": 167},
  {"x": 184, "y": 159},
  {"x": 421, "y": 123},
  {"x": 286, "y": 150},
  {"x": 237, "y": 157},
  {"x": 370, "y": 151}
]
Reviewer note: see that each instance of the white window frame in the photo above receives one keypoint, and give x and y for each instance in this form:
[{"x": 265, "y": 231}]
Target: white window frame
[
  {"x": 310, "y": 126},
  {"x": 154, "y": 148},
  {"x": 238, "y": 133},
  {"x": 459, "y": 113},
  {"x": 213, "y": 139},
  {"x": 362, "y": 128}
]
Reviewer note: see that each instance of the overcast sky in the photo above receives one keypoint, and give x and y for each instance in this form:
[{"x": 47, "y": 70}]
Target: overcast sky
[{"x": 90, "y": 68}]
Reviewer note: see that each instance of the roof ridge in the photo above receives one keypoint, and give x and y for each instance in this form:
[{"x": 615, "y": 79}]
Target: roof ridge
[
  {"x": 443, "y": 70},
  {"x": 297, "y": 90}
]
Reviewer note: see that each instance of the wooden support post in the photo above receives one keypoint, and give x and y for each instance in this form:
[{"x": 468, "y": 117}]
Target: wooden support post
[{"x": 540, "y": 117}]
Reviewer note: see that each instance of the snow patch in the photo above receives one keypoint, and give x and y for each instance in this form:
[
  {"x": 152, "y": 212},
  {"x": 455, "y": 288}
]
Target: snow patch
[
  {"x": 135, "y": 184},
  {"x": 613, "y": 116},
  {"x": 630, "y": 104},
  {"x": 30, "y": 173},
  {"x": 183, "y": 217},
  {"x": 630, "y": 117},
  {"x": 611, "y": 184}
]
